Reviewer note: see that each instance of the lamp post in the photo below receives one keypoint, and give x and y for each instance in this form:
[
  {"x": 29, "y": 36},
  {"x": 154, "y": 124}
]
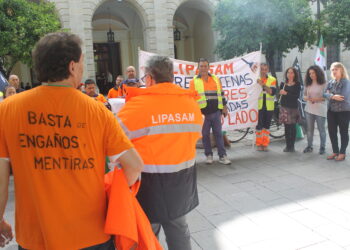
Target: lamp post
[
  {"x": 177, "y": 34},
  {"x": 110, "y": 36},
  {"x": 110, "y": 33}
]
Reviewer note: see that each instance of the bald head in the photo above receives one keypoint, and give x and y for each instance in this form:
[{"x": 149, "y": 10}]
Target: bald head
[
  {"x": 131, "y": 72},
  {"x": 14, "y": 81}
]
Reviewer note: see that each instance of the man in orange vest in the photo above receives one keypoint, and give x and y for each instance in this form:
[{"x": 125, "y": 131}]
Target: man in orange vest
[
  {"x": 90, "y": 90},
  {"x": 57, "y": 148},
  {"x": 212, "y": 103},
  {"x": 130, "y": 81},
  {"x": 164, "y": 122},
  {"x": 114, "y": 92}
]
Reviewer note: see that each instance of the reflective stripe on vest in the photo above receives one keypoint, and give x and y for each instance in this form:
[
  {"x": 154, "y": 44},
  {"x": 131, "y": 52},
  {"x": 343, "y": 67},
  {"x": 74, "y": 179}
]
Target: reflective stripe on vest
[
  {"x": 270, "y": 99},
  {"x": 202, "y": 101},
  {"x": 160, "y": 129},
  {"x": 160, "y": 169}
]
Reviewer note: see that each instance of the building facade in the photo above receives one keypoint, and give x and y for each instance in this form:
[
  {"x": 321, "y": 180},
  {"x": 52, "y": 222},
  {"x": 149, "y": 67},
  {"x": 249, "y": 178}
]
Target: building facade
[{"x": 175, "y": 28}]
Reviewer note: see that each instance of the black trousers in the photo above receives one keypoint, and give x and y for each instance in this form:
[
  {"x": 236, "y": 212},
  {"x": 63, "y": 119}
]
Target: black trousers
[
  {"x": 290, "y": 134},
  {"x": 341, "y": 120},
  {"x": 264, "y": 119},
  {"x": 108, "y": 245}
]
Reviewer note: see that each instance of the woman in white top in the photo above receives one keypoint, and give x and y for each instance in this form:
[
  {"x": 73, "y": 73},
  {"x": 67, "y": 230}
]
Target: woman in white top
[{"x": 316, "y": 106}]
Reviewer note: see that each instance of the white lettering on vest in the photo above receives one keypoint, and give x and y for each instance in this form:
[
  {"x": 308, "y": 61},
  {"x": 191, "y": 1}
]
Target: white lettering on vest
[{"x": 172, "y": 118}]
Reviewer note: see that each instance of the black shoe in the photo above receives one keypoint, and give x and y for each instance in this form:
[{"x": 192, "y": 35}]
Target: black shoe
[
  {"x": 286, "y": 150},
  {"x": 322, "y": 150},
  {"x": 292, "y": 150},
  {"x": 308, "y": 149}
]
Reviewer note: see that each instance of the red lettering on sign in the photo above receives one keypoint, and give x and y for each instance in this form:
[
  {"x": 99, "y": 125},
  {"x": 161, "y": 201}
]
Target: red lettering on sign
[
  {"x": 218, "y": 70},
  {"x": 228, "y": 68},
  {"x": 189, "y": 68}
]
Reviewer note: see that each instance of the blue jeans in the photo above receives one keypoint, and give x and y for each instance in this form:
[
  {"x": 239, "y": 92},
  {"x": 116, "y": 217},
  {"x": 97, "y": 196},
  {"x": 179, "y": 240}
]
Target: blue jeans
[
  {"x": 213, "y": 121},
  {"x": 321, "y": 125}
]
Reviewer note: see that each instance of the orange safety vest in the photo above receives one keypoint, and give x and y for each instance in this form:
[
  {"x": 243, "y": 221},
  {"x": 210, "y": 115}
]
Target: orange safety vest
[
  {"x": 131, "y": 228},
  {"x": 113, "y": 93},
  {"x": 164, "y": 123}
]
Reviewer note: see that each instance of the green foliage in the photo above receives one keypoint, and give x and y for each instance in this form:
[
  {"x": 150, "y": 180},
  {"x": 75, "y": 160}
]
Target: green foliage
[
  {"x": 279, "y": 25},
  {"x": 336, "y": 22},
  {"x": 22, "y": 24}
]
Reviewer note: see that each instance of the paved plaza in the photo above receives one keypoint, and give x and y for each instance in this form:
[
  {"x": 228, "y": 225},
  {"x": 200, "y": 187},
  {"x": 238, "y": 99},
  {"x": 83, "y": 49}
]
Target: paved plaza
[{"x": 268, "y": 200}]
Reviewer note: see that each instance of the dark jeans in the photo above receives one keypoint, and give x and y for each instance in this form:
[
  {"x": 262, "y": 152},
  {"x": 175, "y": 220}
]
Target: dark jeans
[
  {"x": 341, "y": 120},
  {"x": 213, "y": 121},
  {"x": 290, "y": 134},
  {"x": 176, "y": 232},
  {"x": 264, "y": 119},
  {"x": 108, "y": 245}
]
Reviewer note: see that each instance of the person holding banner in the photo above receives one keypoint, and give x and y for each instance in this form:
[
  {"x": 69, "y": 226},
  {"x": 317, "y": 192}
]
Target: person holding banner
[
  {"x": 266, "y": 106},
  {"x": 289, "y": 113},
  {"x": 164, "y": 123},
  {"x": 212, "y": 103},
  {"x": 338, "y": 115}
]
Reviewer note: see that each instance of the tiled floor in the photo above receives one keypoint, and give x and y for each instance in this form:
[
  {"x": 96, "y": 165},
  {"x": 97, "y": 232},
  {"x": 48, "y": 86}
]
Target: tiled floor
[{"x": 269, "y": 200}]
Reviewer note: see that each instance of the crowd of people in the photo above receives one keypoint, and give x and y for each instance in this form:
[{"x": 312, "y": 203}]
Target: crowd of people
[{"x": 57, "y": 139}]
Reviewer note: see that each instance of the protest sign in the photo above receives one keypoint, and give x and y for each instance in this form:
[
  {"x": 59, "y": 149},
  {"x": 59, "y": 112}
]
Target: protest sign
[{"x": 238, "y": 77}]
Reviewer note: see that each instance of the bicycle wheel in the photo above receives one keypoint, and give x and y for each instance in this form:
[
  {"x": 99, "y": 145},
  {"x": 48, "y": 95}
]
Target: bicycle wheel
[
  {"x": 237, "y": 134},
  {"x": 276, "y": 128}
]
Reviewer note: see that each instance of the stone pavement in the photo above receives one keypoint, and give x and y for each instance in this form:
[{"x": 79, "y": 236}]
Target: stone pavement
[{"x": 269, "y": 200}]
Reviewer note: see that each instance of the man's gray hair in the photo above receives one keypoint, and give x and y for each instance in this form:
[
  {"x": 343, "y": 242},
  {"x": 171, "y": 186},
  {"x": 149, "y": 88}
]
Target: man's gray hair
[{"x": 161, "y": 69}]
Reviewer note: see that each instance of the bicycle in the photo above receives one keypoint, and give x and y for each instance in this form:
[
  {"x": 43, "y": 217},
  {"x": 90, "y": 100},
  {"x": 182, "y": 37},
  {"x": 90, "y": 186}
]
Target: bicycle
[{"x": 276, "y": 129}]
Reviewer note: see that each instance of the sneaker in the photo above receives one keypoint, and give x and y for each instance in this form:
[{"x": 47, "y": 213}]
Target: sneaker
[
  {"x": 322, "y": 150},
  {"x": 224, "y": 160},
  {"x": 265, "y": 149},
  {"x": 209, "y": 159},
  {"x": 308, "y": 149},
  {"x": 259, "y": 148}
]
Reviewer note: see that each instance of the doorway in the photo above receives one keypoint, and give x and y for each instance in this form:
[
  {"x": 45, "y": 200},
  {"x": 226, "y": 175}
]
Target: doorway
[{"x": 107, "y": 65}]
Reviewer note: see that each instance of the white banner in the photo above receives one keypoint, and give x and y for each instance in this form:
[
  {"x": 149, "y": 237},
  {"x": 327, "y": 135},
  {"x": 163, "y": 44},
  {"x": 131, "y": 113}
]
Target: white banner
[{"x": 238, "y": 77}]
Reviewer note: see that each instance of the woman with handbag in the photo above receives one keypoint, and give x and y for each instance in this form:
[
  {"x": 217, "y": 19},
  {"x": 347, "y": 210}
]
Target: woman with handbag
[
  {"x": 289, "y": 113},
  {"x": 338, "y": 115}
]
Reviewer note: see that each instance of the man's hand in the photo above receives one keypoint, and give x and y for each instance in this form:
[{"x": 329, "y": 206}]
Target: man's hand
[
  {"x": 261, "y": 83},
  {"x": 5, "y": 229},
  {"x": 5, "y": 233},
  {"x": 132, "y": 164},
  {"x": 225, "y": 111}
]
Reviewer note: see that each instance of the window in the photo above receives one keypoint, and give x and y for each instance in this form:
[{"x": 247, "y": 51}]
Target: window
[{"x": 333, "y": 54}]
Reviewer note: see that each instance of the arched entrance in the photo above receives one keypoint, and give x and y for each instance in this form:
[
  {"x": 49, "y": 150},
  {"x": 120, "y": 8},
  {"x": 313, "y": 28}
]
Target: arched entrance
[
  {"x": 111, "y": 56},
  {"x": 193, "y": 19}
]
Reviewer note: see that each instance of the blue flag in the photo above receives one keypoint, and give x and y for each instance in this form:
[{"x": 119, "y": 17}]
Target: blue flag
[{"x": 3, "y": 82}]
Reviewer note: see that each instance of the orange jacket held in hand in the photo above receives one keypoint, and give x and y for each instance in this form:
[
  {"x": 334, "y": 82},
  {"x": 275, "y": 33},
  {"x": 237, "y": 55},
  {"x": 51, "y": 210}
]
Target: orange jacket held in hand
[{"x": 132, "y": 229}]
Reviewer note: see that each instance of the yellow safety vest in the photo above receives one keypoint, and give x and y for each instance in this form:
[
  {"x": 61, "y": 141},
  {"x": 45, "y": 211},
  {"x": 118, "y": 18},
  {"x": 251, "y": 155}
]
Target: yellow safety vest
[
  {"x": 199, "y": 86},
  {"x": 270, "y": 99}
]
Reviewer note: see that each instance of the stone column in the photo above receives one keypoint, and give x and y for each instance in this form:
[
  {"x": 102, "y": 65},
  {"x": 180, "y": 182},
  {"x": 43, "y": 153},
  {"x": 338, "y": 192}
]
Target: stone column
[
  {"x": 76, "y": 16},
  {"x": 158, "y": 34}
]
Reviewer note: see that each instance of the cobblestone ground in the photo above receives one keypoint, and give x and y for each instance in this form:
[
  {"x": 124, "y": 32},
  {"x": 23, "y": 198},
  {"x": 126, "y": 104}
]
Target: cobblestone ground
[{"x": 268, "y": 200}]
